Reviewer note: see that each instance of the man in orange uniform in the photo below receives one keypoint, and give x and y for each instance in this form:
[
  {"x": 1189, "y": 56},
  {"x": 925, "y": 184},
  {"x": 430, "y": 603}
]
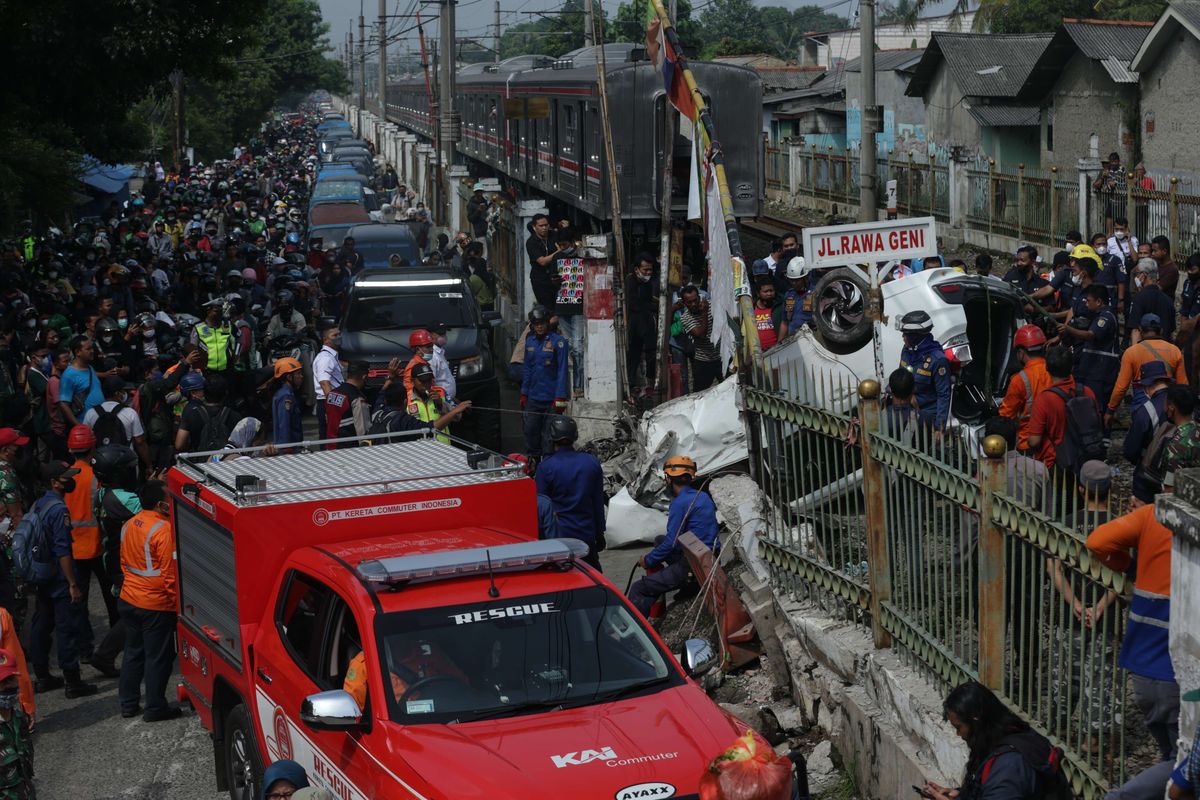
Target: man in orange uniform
[
  {"x": 420, "y": 660},
  {"x": 1030, "y": 344},
  {"x": 148, "y": 605},
  {"x": 1144, "y": 649},
  {"x": 1151, "y": 347},
  {"x": 9, "y": 642},
  {"x": 85, "y": 537},
  {"x": 421, "y": 343}
]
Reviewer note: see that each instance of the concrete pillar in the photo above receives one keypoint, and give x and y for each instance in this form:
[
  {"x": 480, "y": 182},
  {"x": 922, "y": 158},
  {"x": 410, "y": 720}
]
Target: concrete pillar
[
  {"x": 602, "y": 385},
  {"x": 960, "y": 189},
  {"x": 1181, "y": 513},
  {"x": 454, "y": 178},
  {"x": 1089, "y": 170},
  {"x": 794, "y": 167}
]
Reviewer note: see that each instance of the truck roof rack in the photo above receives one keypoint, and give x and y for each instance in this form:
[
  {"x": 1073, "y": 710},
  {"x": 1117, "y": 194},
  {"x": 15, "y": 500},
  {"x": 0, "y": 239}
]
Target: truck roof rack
[
  {"x": 411, "y": 461},
  {"x": 430, "y": 567}
]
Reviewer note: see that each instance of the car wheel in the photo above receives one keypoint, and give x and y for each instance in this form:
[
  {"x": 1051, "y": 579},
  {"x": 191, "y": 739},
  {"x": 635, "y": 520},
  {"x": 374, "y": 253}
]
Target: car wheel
[
  {"x": 840, "y": 309},
  {"x": 243, "y": 765}
]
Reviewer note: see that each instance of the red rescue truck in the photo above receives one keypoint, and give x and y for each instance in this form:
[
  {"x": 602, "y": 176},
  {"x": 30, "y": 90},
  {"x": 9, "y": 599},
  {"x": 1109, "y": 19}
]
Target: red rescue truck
[{"x": 496, "y": 665}]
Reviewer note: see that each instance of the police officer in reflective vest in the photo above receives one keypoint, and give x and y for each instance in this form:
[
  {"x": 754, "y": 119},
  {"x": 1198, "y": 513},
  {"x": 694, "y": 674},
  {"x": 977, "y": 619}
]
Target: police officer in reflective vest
[
  {"x": 924, "y": 358},
  {"x": 148, "y": 606},
  {"x": 213, "y": 336},
  {"x": 424, "y": 403}
]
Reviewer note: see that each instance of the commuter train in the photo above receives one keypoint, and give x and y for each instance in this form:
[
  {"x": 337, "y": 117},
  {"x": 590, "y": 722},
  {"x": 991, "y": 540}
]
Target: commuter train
[{"x": 535, "y": 122}]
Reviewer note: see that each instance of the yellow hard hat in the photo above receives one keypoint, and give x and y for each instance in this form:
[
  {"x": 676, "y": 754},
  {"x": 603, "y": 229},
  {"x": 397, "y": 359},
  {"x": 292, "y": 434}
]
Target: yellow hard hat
[
  {"x": 679, "y": 465},
  {"x": 1081, "y": 251},
  {"x": 286, "y": 365}
]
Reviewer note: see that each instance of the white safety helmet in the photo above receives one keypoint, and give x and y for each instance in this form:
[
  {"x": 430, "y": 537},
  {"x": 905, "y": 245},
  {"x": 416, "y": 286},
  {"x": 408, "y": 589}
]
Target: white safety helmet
[{"x": 798, "y": 268}]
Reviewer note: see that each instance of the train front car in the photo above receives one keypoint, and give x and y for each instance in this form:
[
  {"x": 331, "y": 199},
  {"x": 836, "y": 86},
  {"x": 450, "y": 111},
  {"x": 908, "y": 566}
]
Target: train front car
[{"x": 536, "y": 123}]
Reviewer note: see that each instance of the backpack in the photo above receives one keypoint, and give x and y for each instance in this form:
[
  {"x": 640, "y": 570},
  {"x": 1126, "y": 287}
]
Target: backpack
[
  {"x": 1053, "y": 785},
  {"x": 108, "y": 426},
  {"x": 215, "y": 433},
  {"x": 1150, "y": 467},
  {"x": 1083, "y": 439},
  {"x": 32, "y": 551}
]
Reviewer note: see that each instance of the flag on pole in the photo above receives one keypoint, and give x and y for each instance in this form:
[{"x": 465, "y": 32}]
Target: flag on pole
[
  {"x": 666, "y": 61},
  {"x": 695, "y": 212}
]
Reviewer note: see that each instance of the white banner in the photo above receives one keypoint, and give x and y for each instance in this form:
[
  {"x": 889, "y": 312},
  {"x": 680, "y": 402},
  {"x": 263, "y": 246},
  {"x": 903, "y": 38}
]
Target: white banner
[
  {"x": 721, "y": 269},
  {"x": 863, "y": 242}
]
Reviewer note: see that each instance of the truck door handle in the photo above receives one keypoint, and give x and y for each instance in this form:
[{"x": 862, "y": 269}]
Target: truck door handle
[
  {"x": 267, "y": 679},
  {"x": 211, "y": 632}
]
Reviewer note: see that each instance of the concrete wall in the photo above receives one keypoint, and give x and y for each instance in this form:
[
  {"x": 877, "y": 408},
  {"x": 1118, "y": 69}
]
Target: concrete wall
[
  {"x": 1170, "y": 95},
  {"x": 947, "y": 122},
  {"x": 903, "y": 116},
  {"x": 847, "y": 45},
  {"x": 1086, "y": 104}
]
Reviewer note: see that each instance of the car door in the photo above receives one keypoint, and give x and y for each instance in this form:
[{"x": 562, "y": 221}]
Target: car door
[{"x": 291, "y": 663}]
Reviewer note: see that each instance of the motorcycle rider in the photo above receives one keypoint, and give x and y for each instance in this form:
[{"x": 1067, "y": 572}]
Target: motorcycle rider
[{"x": 286, "y": 319}]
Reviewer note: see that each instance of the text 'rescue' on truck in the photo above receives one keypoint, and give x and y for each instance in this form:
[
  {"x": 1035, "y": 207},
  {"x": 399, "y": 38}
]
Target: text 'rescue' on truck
[{"x": 496, "y": 665}]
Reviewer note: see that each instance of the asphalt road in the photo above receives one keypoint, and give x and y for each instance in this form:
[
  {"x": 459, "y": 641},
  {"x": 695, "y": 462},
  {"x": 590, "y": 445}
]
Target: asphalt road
[{"x": 84, "y": 749}]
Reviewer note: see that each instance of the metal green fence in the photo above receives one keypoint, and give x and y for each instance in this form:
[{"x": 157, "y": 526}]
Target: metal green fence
[
  {"x": 922, "y": 188},
  {"x": 972, "y": 565},
  {"x": 777, "y": 168}
]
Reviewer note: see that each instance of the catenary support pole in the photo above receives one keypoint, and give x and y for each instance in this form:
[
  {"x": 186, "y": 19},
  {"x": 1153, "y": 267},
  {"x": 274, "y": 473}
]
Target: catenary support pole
[
  {"x": 383, "y": 43},
  {"x": 866, "y": 152}
]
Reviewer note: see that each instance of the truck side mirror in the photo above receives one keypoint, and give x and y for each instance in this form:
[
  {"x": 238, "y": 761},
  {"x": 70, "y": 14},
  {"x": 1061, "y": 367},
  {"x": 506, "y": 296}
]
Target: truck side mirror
[
  {"x": 334, "y": 710},
  {"x": 697, "y": 657}
]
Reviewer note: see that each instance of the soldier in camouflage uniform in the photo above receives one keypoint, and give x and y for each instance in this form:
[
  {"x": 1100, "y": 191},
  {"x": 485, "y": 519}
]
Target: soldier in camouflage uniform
[
  {"x": 11, "y": 511},
  {"x": 1183, "y": 449},
  {"x": 16, "y": 742}
]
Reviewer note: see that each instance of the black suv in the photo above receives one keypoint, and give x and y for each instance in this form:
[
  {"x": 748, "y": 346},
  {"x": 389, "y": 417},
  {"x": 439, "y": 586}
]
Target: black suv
[{"x": 386, "y": 305}]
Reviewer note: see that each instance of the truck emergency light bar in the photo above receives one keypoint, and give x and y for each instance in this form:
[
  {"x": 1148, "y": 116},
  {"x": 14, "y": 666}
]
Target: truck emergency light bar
[{"x": 430, "y": 567}]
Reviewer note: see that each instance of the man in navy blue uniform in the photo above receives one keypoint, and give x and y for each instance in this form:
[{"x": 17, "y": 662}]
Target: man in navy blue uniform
[
  {"x": 924, "y": 358},
  {"x": 691, "y": 510},
  {"x": 574, "y": 483},
  {"x": 285, "y": 408},
  {"x": 1094, "y": 345},
  {"x": 543, "y": 380}
]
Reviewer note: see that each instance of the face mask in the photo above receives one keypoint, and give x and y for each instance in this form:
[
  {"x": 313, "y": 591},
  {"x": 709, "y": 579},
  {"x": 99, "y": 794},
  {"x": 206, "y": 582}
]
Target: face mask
[
  {"x": 107, "y": 337},
  {"x": 43, "y": 322},
  {"x": 643, "y": 278},
  {"x": 1076, "y": 280},
  {"x": 148, "y": 333},
  {"x": 52, "y": 274},
  {"x": 1101, "y": 250},
  {"x": 68, "y": 485},
  {"x": 1119, "y": 234},
  {"x": 31, "y": 323},
  {"x": 123, "y": 324},
  {"x": 91, "y": 256},
  {"x": 1068, "y": 247},
  {"x": 9, "y": 698},
  {"x": 1137, "y": 282}
]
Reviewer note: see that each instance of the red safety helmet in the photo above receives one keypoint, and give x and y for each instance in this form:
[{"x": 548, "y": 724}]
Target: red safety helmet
[
  {"x": 81, "y": 438},
  {"x": 1029, "y": 337},
  {"x": 419, "y": 338}
]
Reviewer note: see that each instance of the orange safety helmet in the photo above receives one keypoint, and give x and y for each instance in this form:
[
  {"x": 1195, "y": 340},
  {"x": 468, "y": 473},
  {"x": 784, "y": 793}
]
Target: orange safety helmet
[
  {"x": 286, "y": 366},
  {"x": 81, "y": 438},
  {"x": 679, "y": 465},
  {"x": 1029, "y": 336},
  {"x": 419, "y": 338}
]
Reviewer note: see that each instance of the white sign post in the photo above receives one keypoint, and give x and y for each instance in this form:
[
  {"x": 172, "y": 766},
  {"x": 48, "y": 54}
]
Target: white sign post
[{"x": 866, "y": 242}]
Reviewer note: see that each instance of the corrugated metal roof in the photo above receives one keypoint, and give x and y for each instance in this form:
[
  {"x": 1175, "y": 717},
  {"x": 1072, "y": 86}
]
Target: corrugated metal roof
[
  {"x": 888, "y": 60},
  {"x": 1006, "y": 116},
  {"x": 1183, "y": 14},
  {"x": 1119, "y": 70},
  {"x": 983, "y": 65},
  {"x": 782, "y": 79},
  {"x": 1188, "y": 11},
  {"x": 1099, "y": 40}
]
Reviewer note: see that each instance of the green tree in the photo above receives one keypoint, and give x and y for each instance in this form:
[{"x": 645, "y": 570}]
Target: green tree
[
  {"x": 732, "y": 19},
  {"x": 630, "y": 25},
  {"x": 1034, "y": 16},
  {"x": 552, "y": 34},
  {"x": 785, "y": 28}
]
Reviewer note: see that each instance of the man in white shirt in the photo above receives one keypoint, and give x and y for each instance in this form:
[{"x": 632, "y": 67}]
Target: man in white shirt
[
  {"x": 327, "y": 372},
  {"x": 443, "y": 376},
  {"x": 113, "y": 422},
  {"x": 1123, "y": 243}
]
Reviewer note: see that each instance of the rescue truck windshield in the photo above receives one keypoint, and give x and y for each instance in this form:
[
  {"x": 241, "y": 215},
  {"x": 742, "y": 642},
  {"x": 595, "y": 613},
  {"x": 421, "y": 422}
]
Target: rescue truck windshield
[
  {"x": 385, "y": 309},
  {"x": 518, "y": 655}
]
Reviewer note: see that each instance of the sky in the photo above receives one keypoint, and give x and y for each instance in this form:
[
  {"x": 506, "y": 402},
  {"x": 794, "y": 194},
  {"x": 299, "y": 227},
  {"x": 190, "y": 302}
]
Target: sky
[{"x": 476, "y": 17}]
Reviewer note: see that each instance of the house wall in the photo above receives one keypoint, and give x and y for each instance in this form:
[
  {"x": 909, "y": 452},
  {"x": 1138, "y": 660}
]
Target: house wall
[
  {"x": 947, "y": 122},
  {"x": 1170, "y": 97},
  {"x": 846, "y": 45},
  {"x": 1087, "y": 104},
  {"x": 903, "y": 117}
]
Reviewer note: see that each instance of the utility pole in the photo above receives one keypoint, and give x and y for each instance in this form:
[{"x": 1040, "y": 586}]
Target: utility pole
[
  {"x": 588, "y": 36},
  {"x": 362, "y": 65},
  {"x": 449, "y": 116},
  {"x": 180, "y": 119},
  {"x": 496, "y": 38},
  {"x": 349, "y": 53},
  {"x": 870, "y": 115},
  {"x": 382, "y": 59},
  {"x": 662, "y": 381}
]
